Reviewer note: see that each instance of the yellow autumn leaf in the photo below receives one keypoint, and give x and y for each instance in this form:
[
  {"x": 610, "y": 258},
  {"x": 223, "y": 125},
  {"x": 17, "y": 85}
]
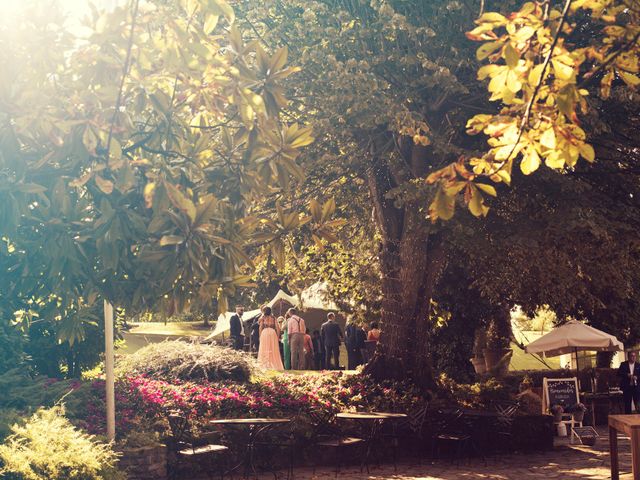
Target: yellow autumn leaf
[
  {"x": 587, "y": 152},
  {"x": 530, "y": 162},
  {"x": 629, "y": 78},
  {"x": 548, "y": 139},
  {"x": 476, "y": 204}
]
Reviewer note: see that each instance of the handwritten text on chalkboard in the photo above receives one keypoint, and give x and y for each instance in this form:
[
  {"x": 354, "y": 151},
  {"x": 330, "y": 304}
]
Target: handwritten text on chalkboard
[{"x": 562, "y": 392}]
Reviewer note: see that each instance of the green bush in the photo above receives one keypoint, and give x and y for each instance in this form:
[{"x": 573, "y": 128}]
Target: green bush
[
  {"x": 480, "y": 395},
  {"x": 22, "y": 394},
  {"x": 22, "y": 391},
  {"x": 177, "y": 360},
  {"x": 48, "y": 447},
  {"x": 8, "y": 418}
]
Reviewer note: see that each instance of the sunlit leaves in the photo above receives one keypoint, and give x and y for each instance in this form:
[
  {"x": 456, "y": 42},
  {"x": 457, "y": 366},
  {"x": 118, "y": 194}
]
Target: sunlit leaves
[
  {"x": 534, "y": 72},
  {"x": 154, "y": 199}
]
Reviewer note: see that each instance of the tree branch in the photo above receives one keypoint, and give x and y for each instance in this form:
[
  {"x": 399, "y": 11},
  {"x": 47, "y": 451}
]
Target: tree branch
[{"x": 125, "y": 72}]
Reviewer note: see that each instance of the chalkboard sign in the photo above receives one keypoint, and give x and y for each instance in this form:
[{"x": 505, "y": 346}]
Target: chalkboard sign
[{"x": 560, "y": 391}]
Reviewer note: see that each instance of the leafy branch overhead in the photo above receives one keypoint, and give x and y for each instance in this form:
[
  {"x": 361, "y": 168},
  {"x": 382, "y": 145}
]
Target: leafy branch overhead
[
  {"x": 541, "y": 61},
  {"x": 140, "y": 183}
]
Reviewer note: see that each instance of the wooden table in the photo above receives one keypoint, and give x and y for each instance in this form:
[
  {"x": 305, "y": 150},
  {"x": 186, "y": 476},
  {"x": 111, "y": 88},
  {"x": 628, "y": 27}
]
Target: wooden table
[{"x": 629, "y": 425}]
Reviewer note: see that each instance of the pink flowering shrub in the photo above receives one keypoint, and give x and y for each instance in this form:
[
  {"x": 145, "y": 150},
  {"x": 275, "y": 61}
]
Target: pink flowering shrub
[{"x": 143, "y": 402}]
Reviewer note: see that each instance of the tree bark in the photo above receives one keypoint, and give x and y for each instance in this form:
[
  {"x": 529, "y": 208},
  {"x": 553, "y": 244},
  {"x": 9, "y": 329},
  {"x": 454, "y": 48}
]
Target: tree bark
[{"x": 412, "y": 257}]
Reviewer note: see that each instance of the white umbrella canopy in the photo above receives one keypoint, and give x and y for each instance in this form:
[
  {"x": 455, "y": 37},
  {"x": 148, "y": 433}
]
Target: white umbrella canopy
[{"x": 572, "y": 337}]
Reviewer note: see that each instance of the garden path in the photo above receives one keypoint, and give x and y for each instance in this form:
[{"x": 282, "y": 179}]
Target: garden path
[{"x": 564, "y": 462}]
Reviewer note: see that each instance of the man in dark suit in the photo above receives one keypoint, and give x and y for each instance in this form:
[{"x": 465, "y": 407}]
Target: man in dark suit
[
  {"x": 236, "y": 328},
  {"x": 354, "y": 341},
  {"x": 629, "y": 373},
  {"x": 331, "y": 335}
]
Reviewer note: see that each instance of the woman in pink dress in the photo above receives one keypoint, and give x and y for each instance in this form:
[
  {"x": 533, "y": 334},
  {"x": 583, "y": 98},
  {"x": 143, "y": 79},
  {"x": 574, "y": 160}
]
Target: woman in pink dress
[{"x": 269, "y": 351}]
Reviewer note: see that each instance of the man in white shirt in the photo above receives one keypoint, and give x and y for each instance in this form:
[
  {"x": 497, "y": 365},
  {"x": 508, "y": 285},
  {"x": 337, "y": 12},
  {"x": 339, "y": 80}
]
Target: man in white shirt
[
  {"x": 296, "y": 330},
  {"x": 629, "y": 372}
]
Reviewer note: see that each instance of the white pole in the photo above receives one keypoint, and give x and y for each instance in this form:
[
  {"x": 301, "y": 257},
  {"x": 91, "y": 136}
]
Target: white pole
[{"x": 109, "y": 370}]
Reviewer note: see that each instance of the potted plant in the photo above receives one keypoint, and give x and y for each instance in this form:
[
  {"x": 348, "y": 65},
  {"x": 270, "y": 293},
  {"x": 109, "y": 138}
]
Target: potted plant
[
  {"x": 578, "y": 412},
  {"x": 497, "y": 355},
  {"x": 557, "y": 411}
]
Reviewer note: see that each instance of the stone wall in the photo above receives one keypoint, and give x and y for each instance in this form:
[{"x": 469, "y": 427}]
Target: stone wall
[{"x": 144, "y": 463}]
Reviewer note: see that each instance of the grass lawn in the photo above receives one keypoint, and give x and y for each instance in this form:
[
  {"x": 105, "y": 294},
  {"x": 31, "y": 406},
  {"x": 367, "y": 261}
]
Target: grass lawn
[
  {"x": 144, "y": 333},
  {"x": 171, "y": 328},
  {"x": 526, "y": 361}
]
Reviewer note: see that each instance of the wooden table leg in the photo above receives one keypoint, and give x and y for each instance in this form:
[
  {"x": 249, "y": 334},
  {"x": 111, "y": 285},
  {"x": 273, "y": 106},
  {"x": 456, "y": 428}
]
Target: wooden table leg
[
  {"x": 635, "y": 453},
  {"x": 613, "y": 453}
]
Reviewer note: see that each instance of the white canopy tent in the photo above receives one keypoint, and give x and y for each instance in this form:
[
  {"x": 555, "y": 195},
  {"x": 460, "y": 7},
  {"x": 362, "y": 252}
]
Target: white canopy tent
[
  {"x": 317, "y": 296},
  {"x": 573, "y": 337},
  {"x": 223, "y": 326},
  {"x": 313, "y": 297}
]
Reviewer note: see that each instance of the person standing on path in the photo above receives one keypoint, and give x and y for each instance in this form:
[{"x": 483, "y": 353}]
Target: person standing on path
[
  {"x": 629, "y": 373},
  {"x": 374, "y": 333},
  {"x": 297, "y": 330},
  {"x": 236, "y": 328},
  {"x": 286, "y": 351},
  {"x": 331, "y": 335},
  {"x": 318, "y": 351},
  {"x": 354, "y": 338},
  {"x": 308, "y": 351},
  {"x": 269, "y": 351}
]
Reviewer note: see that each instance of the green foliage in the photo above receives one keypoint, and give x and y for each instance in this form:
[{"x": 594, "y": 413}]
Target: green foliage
[
  {"x": 8, "y": 418},
  {"x": 480, "y": 395},
  {"x": 452, "y": 348},
  {"x": 22, "y": 394},
  {"x": 543, "y": 320},
  {"x": 176, "y": 360},
  {"x": 498, "y": 334},
  {"x": 161, "y": 161},
  {"x": 19, "y": 390},
  {"x": 11, "y": 346},
  {"x": 48, "y": 447},
  {"x": 140, "y": 438}
]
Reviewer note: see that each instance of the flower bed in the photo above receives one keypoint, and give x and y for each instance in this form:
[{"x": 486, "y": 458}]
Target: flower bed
[{"x": 145, "y": 402}]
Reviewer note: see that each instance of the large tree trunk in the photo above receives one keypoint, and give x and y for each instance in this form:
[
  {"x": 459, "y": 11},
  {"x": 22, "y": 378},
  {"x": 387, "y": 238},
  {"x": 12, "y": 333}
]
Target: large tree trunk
[{"x": 411, "y": 259}]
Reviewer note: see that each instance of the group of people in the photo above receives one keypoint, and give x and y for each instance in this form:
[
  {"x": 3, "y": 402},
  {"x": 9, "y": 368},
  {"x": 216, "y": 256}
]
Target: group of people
[{"x": 285, "y": 343}]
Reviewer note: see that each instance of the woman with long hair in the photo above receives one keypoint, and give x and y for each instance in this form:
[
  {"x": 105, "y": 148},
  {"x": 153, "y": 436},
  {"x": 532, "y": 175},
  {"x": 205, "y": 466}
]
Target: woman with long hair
[{"x": 269, "y": 350}]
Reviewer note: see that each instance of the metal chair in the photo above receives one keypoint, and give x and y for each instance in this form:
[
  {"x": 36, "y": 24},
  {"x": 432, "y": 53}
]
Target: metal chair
[
  {"x": 451, "y": 429},
  {"x": 409, "y": 428},
  {"x": 188, "y": 449},
  {"x": 327, "y": 434},
  {"x": 286, "y": 440}
]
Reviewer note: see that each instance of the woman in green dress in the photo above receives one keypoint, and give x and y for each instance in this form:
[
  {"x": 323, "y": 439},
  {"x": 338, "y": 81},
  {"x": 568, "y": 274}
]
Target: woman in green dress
[{"x": 285, "y": 343}]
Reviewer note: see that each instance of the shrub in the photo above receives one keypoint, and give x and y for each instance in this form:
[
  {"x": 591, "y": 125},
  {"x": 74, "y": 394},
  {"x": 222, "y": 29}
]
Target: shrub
[
  {"x": 480, "y": 395},
  {"x": 48, "y": 447},
  {"x": 8, "y": 417},
  {"x": 177, "y": 360},
  {"x": 22, "y": 394},
  {"x": 22, "y": 391}
]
